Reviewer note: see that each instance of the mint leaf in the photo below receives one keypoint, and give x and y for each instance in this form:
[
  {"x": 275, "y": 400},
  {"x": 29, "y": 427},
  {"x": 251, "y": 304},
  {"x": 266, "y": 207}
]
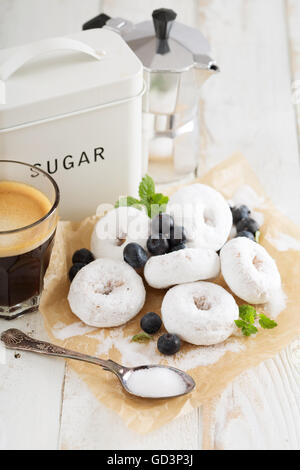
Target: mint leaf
[
  {"x": 158, "y": 204},
  {"x": 240, "y": 323},
  {"x": 247, "y": 328},
  {"x": 146, "y": 188},
  {"x": 266, "y": 322},
  {"x": 128, "y": 201},
  {"x": 159, "y": 198},
  {"x": 141, "y": 338},
  {"x": 248, "y": 313}
]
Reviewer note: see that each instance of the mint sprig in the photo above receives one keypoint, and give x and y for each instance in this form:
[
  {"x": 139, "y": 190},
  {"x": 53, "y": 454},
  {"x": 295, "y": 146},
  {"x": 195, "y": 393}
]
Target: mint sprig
[
  {"x": 246, "y": 322},
  {"x": 141, "y": 338},
  {"x": 152, "y": 201}
]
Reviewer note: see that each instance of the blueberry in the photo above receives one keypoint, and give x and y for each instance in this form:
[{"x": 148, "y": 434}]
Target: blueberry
[
  {"x": 180, "y": 246},
  {"x": 162, "y": 224},
  {"x": 245, "y": 234},
  {"x": 239, "y": 213},
  {"x": 75, "y": 269},
  {"x": 151, "y": 323},
  {"x": 135, "y": 255},
  {"x": 83, "y": 256},
  {"x": 158, "y": 246},
  {"x": 248, "y": 224},
  {"x": 168, "y": 344},
  {"x": 177, "y": 236}
]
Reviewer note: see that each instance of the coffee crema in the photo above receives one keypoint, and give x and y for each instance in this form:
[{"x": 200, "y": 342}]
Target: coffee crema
[{"x": 22, "y": 205}]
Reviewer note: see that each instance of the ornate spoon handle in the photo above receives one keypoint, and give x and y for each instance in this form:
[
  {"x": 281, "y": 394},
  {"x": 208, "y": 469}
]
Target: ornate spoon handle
[{"x": 16, "y": 339}]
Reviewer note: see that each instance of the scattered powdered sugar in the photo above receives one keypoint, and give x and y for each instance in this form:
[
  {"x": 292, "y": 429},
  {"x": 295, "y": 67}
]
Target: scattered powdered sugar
[
  {"x": 258, "y": 216},
  {"x": 246, "y": 195},
  {"x": 284, "y": 242},
  {"x": 62, "y": 331},
  {"x": 156, "y": 382},
  {"x": 137, "y": 354},
  {"x": 205, "y": 355},
  {"x": 276, "y": 304}
]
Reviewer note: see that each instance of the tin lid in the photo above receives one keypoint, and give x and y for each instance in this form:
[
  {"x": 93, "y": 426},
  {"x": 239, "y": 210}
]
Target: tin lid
[
  {"x": 61, "y": 76},
  {"x": 164, "y": 45}
]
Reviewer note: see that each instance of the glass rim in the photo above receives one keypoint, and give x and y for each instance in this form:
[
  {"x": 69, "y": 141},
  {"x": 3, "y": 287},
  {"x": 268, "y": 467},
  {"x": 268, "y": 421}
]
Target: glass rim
[{"x": 54, "y": 205}]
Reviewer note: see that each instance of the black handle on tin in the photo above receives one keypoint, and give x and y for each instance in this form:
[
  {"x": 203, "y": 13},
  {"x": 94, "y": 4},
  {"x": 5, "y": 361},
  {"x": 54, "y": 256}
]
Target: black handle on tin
[
  {"x": 97, "y": 22},
  {"x": 163, "y": 19}
]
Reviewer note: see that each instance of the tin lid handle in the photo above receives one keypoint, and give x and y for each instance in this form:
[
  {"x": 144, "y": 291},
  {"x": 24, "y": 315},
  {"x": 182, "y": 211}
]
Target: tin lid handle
[{"x": 30, "y": 51}]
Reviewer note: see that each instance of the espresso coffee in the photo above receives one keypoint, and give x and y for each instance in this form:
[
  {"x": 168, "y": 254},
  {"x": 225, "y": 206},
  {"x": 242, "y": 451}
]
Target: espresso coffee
[{"x": 24, "y": 253}]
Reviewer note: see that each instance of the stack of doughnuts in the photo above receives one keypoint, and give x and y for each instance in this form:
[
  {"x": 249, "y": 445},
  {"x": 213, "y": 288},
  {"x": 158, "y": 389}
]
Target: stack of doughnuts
[{"x": 108, "y": 292}]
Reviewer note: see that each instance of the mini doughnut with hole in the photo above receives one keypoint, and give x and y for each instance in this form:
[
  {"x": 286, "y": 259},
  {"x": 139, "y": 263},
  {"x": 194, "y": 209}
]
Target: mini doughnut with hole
[
  {"x": 201, "y": 313},
  {"x": 187, "y": 265},
  {"x": 204, "y": 213},
  {"x": 106, "y": 293},
  {"x": 118, "y": 228},
  {"x": 249, "y": 271}
]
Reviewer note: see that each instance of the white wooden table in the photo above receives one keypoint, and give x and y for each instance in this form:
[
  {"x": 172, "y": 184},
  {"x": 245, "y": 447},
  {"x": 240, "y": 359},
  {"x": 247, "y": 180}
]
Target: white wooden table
[{"x": 249, "y": 107}]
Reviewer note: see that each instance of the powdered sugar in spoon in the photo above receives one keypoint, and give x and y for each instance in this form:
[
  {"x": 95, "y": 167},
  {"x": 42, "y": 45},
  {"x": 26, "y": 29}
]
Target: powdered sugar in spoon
[{"x": 149, "y": 381}]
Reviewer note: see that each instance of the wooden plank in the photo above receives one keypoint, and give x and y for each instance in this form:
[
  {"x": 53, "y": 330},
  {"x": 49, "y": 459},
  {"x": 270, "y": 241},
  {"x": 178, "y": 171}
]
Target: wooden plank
[
  {"x": 89, "y": 425},
  {"x": 22, "y": 22},
  {"x": 260, "y": 410},
  {"x": 30, "y": 394}
]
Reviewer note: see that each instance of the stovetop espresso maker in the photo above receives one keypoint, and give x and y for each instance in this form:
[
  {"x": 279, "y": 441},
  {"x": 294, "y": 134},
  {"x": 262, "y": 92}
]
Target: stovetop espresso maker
[{"x": 176, "y": 63}]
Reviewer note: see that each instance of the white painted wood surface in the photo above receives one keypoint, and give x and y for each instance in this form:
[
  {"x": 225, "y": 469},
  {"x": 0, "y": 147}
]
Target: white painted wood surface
[
  {"x": 30, "y": 394},
  {"x": 247, "y": 108},
  {"x": 24, "y": 21},
  {"x": 260, "y": 410}
]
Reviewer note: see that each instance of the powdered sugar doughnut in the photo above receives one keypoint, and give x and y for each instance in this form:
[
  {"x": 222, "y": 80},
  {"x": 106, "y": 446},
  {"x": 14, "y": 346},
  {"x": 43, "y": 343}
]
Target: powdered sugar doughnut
[
  {"x": 187, "y": 265},
  {"x": 204, "y": 213},
  {"x": 249, "y": 270},
  {"x": 106, "y": 293},
  {"x": 200, "y": 313},
  {"x": 118, "y": 228}
]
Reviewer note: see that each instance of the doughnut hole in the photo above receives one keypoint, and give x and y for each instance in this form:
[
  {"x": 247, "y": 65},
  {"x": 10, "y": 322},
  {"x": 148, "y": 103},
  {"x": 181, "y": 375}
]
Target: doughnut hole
[
  {"x": 258, "y": 263},
  {"x": 120, "y": 241},
  {"x": 202, "y": 303},
  {"x": 108, "y": 287},
  {"x": 209, "y": 218}
]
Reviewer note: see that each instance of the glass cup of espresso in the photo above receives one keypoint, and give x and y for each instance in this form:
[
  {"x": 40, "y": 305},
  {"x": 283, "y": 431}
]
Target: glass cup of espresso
[{"x": 29, "y": 200}]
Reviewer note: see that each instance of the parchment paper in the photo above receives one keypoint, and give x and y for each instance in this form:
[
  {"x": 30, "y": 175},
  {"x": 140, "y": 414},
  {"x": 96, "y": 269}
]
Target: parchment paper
[{"x": 143, "y": 415}]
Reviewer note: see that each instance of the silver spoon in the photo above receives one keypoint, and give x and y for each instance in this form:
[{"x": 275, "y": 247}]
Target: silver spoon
[{"x": 17, "y": 340}]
